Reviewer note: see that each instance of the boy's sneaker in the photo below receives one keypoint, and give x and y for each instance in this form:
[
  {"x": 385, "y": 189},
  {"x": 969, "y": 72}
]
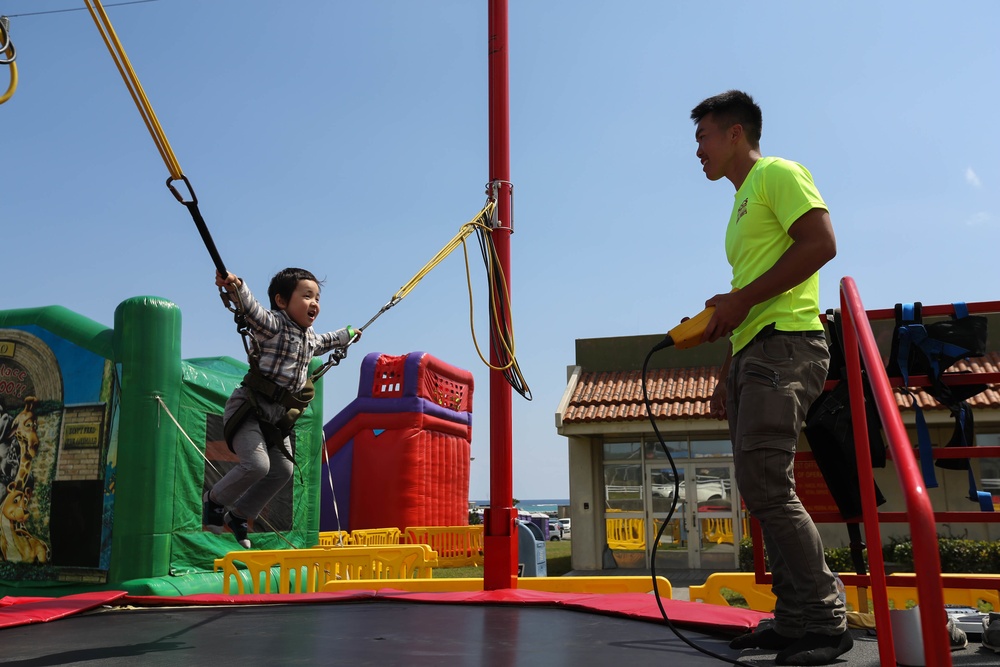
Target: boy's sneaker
[
  {"x": 212, "y": 514},
  {"x": 239, "y": 527},
  {"x": 991, "y": 631}
]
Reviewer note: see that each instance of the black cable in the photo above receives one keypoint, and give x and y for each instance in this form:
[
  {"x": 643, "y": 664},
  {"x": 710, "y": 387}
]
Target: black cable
[
  {"x": 79, "y": 9},
  {"x": 670, "y": 514},
  {"x": 501, "y": 329}
]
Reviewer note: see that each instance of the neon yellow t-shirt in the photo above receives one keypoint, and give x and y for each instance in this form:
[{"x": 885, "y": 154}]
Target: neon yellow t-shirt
[{"x": 774, "y": 195}]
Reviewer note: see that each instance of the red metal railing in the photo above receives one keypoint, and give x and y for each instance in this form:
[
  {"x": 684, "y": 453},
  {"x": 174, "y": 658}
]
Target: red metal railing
[
  {"x": 858, "y": 337},
  {"x": 860, "y": 348}
]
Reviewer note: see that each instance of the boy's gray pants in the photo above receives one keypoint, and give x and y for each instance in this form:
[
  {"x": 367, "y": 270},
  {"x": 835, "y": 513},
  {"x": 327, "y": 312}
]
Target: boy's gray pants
[{"x": 261, "y": 472}]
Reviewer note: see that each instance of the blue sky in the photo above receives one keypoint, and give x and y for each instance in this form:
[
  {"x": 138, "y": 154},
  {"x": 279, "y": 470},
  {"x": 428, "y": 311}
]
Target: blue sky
[{"x": 350, "y": 138}]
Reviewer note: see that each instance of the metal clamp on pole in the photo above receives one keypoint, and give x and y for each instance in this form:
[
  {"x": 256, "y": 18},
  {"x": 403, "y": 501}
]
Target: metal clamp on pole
[{"x": 493, "y": 192}]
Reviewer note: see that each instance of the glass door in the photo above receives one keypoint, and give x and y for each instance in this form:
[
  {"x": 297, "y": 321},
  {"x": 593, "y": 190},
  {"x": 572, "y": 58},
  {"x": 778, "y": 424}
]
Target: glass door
[
  {"x": 716, "y": 516},
  {"x": 705, "y": 530},
  {"x": 672, "y": 549}
]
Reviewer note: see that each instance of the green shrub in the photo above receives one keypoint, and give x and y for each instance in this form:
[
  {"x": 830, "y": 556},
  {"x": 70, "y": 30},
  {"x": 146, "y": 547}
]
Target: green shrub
[{"x": 957, "y": 556}]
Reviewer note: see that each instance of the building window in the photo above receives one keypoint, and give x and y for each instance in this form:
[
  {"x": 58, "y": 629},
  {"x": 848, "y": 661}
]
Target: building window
[
  {"x": 713, "y": 448},
  {"x": 622, "y": 451},
  {"x": 989, "y": 468},
  {"x": 654, "y": 450}
]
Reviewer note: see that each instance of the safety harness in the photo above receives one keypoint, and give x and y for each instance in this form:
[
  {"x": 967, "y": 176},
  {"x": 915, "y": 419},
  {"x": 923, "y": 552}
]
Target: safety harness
[
  {"x": 294, "y": 403},
  {"x": 930, "y": 349}
]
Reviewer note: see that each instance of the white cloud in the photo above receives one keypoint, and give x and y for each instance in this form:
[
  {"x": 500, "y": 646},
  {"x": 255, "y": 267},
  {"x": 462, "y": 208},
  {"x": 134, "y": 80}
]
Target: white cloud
[
  {"x": 971, "y": 177},
  {"x": 978, "y": 219}
]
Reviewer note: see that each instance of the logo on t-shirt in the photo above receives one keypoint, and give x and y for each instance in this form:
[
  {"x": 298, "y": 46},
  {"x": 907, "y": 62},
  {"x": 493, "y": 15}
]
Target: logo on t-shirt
[{"x": 742, "y": 210}]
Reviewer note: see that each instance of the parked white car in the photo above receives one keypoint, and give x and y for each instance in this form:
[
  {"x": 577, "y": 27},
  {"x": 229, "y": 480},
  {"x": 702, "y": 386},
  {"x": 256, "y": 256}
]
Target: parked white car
[
  {"x": 565, "y": 523},
  {"x": 555, "y": 530},
  {"x": 707, "y": 490}
]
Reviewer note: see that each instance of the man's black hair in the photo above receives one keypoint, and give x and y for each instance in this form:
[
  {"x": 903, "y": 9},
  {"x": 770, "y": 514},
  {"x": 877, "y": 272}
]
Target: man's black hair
[
  {"x": 284, "y": 283},
  {"x": 733, "y": 107}
]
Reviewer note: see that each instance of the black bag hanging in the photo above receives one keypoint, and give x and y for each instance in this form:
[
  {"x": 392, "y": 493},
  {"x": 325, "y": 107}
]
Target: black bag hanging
[{"x": 830, "y": 433}]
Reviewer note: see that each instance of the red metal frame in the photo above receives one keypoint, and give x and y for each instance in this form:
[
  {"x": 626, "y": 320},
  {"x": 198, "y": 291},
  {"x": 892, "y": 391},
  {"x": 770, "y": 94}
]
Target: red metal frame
[{"x": 860, "y": 347}]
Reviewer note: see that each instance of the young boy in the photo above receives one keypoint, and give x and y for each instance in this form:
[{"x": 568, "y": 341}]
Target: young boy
[{"x": 260, "y": 415}]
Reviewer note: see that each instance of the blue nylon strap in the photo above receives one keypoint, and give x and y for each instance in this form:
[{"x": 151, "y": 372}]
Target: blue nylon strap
[
  {"x": 961, "y": 310},
  {"x": 903, "y": 353},
  {"x": 924, "y": 448},
  {"x": 985, "y": 499}
]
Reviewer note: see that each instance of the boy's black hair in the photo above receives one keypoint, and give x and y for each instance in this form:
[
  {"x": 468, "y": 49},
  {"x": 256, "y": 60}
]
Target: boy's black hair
[
  {"x": 733, "y": 107},
  {"x": 284, "y": 283}
]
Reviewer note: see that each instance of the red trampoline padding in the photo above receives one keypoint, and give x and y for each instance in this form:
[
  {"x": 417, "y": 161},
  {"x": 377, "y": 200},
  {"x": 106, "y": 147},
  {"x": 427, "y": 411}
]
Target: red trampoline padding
[
  {"x": 639, "y": 606},
  {"x": 24, "y": 611}
]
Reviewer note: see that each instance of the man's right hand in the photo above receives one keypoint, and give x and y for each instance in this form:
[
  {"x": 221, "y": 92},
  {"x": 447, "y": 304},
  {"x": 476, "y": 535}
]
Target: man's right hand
[
  {"x": 730, "y": 311},
  {"x": 718, "y": 402}
]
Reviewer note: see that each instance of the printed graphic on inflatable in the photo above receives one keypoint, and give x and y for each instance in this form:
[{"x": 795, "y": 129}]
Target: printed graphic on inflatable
[{"x": 56, "y": 457}]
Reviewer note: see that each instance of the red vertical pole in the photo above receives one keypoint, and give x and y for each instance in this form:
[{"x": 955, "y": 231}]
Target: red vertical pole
[{"x": 500, "y": 535}]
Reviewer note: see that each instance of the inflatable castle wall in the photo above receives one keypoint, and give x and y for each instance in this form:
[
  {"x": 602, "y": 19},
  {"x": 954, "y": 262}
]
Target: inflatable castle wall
[
  {"x": 399, "y": 453},
  {"x": 108, "y": 439}
]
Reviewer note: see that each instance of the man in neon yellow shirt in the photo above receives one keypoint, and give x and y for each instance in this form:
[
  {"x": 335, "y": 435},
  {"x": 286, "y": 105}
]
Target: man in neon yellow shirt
[{"x": 779, "y": 235}]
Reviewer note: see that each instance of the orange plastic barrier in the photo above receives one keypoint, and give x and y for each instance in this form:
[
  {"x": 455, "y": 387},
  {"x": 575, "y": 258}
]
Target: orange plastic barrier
[
  {"x": 456, "y": 546},
  {"x": 307, "y": 570}
]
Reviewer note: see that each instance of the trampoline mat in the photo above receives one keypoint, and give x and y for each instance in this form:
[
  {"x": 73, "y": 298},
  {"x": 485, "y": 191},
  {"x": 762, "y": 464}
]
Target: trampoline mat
[{"x": 354, "y": 634}]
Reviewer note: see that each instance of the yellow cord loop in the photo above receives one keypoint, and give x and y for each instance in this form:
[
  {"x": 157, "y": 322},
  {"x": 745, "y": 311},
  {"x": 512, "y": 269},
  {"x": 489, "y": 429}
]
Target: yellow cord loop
[
  {"x": 481, "y": 221},
  {"x": 7, "y": 48},
  {"x": 117, "y": 52},
  {"x": 483, "y": 224}
]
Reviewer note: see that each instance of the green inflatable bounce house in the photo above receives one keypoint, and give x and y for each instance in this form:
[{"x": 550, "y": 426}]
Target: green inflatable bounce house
[{"x": 108, "y": 440}]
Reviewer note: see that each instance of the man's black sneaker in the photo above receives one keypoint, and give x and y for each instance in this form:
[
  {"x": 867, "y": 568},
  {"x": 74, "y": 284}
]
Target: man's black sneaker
[
  {"x": 239, "y": 527},
  {"x": 991, "y": 631},
  {"x": 816, "y": 649},
  {"x": 767, "y": 638},
  {"x": 212, "y": 514}
]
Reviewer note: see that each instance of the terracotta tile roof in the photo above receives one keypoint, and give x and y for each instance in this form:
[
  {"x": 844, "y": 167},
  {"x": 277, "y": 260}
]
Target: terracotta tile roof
[{"x": 684, "y": 393}]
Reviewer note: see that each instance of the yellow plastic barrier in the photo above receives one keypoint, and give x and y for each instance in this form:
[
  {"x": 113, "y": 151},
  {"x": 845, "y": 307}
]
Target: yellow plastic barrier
[
  {"x": 719, "y": 531},
  {"x": 593, "y": 585},
  {"x": 626, "y": 534},
  {"x": 371, "y": 537},
  {"x": 456, "y": 546},
  {"x": 335, "y": 538},
  {"x": 760, "y": 598},
  {"x": 307, "y": 570}
]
